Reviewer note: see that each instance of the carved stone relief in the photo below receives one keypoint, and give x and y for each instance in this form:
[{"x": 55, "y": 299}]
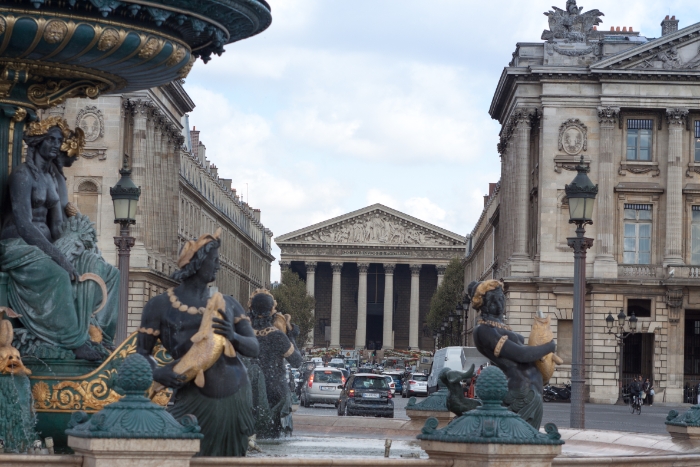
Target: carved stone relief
[
  {"x": 91, "y": 121},
  {"x": 670, "y": 59},
  {"x": 376, "y": 228},
  {"x": 570, "y": 25},
  {"x": 573, "y": 137},
  {"x": 91, "y": 153}
]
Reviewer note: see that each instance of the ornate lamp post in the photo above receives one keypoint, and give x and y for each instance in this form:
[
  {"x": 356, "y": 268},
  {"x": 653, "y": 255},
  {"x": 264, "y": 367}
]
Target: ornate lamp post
[
  {"x": 620, "y": 337},
  {"x": 581, "y": 193},
  {"x": 125, "y": 197}
]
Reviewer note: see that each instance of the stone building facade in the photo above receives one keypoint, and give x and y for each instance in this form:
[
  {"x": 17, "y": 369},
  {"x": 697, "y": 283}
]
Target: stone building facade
[
  {"x": 182, "y": 195},
  {"x": 631, "y": 107},
  {"x": 364, "y": 263}
]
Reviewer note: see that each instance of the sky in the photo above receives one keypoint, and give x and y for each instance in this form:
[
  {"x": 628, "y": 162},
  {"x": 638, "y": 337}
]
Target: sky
[{"x": 342, "y": 104}]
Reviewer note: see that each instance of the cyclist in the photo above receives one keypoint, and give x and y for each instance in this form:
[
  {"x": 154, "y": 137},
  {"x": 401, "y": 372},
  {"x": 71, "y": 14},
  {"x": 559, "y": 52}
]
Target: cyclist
[{"x": 636, "y": 390}]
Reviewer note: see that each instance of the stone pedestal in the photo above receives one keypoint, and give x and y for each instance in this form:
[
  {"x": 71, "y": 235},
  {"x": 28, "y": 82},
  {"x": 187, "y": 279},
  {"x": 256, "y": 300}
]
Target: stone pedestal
[
  {"x": 418, "y": 417},
  {"x": 110, "y": 452},
  {"x": 487, "y": 455},
  {"x": 684, "y": 432}
]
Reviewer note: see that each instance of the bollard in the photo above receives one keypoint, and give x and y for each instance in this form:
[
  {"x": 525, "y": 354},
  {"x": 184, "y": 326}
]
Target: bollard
[
  {"x": 387, "y": 447},
  {"x": 49, "y": 444}
]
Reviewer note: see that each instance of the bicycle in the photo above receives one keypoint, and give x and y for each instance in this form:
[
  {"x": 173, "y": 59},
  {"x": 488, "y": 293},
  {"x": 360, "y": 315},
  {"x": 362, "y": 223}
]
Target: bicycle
[{"x": 636, "y": 404}]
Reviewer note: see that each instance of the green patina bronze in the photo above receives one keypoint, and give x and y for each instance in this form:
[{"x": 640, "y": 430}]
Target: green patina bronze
[
  {"x": 689, "y": 418},
  {"x": 18, "y": 418},
  {"x": 492, "y": 423},
  {"x": 436, "y": 402},
  {"x": 134, "y": 416}
]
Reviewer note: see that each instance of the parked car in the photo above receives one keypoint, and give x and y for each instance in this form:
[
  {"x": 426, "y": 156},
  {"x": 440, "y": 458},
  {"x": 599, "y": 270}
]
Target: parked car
[
  {"x": 366, "y": 394},
  {"x": 322, "y": 387},
  {"x": 390, "y": 381},
  {"x": 396, "y": 376},
  {"x": 415, "y": 384}
]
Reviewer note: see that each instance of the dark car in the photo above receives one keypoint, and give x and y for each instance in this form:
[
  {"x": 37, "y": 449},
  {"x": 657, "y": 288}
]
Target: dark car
[{"x": 366, "y": 394}]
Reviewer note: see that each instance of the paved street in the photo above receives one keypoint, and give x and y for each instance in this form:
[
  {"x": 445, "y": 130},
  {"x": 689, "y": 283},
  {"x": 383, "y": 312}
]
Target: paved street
[{"x": 599, "y": 417}]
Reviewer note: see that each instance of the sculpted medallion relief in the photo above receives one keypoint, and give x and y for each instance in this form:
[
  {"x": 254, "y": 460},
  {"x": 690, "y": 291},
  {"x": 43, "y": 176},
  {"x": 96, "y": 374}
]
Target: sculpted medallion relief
[
  {"x": 573, "y": 137},
  {"x": 90, "y": 120},
  {"x": 378, "y": 229}
]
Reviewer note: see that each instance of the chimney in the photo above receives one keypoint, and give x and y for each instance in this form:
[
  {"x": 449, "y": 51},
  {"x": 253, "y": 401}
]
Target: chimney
[
  {"x": 227, "y": 183},
  {"x": 214, "y": 170},
  {"x": 669, "y": 26},
  {"x": 194, "y": 136},
  {"x": 486, "y": 200},
  {"x": 624, "y": 29},
  {"x": 256, "y": 214},
  {"x": 201, "y": 151},
  {"x": 492, "y": 188}
]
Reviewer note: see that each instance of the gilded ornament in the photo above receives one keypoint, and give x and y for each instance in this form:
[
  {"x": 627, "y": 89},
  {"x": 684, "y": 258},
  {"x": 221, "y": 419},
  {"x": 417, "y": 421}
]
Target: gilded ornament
[
  {"x": 151, "y": 48},
  {"x": 177, "y": 56},
  {"x": 41, "y": 393},
  {"x": 55, "y": 31},
  {"x": 10, "y": 360},
  {"x": 3, "y": 25},
  {"x": 108, "y": 39},
  {"x": 71, "y": 210},
  {"x": 187, "y": 68},
  {"x": 20, "y": 115}
]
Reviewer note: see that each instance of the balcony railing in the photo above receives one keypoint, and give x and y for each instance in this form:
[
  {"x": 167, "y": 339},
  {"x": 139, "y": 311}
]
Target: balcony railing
[
  {"x": 640, "y": 271},
  {"x": 683, "y": 272}
]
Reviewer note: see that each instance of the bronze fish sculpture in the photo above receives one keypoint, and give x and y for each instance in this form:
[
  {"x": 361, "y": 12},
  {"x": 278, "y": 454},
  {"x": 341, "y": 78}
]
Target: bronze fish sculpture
[
  {"x": 207, "y": 348},
  {"x": 540, "y": 334}
]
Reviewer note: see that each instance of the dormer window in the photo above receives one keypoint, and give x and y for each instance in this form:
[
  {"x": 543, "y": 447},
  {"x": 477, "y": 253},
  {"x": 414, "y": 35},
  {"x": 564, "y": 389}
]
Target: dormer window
[{"x": 639, "y": 139}]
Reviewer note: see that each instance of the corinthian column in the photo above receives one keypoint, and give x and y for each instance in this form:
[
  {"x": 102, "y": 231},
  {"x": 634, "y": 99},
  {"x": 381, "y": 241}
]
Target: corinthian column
[
  {"x": 440, "y": 273},
  {"x": 413, "y": 316},
  {"x": 311, "y": 290},
  {"x": 674, "y": 186},
  {"x": 335, "y": 305},
  {"x": 605, "y": 265},
  {"x": 361, "y": 334},
  {"x": 522, "y": 121},
  {"x": 388, "y": 338}
]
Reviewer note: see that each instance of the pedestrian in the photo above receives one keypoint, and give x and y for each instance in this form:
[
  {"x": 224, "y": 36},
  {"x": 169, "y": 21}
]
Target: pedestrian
[
  {"x": 645, "y": 388},
  {"x": 649, "y": 389}
]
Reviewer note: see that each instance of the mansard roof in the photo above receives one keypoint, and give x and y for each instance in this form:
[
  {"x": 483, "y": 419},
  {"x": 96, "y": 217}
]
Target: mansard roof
[{"x": 374, "y": 225}]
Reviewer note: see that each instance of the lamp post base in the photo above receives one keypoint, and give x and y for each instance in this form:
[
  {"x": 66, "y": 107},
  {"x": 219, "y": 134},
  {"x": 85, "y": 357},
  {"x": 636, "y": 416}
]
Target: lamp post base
[{"x": 124, "y": 243}]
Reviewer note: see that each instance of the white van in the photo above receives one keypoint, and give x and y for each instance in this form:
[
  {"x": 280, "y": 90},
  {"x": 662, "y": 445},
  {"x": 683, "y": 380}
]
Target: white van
[
  {"x": 454, "y": 358},
  {"x": 317, "y": 360}
]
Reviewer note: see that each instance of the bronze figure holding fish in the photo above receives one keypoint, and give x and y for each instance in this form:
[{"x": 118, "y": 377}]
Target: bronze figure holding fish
[{"x": 204, "y": 333}]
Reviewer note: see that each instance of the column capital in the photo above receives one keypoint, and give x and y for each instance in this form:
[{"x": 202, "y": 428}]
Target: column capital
[
  {"x": 337, "y": 267},
  {"x": 284, "y": 265},
  {"x": 607, "y": 116},
  {"x": 441, "y": 269},
  {"x": 676, "y": 116},
  {"x": 415, "y": 269},
  {"x": 363, "y": 267},
  {"x": 389, "y": 268},
  {"x": 311, "y": 266}
]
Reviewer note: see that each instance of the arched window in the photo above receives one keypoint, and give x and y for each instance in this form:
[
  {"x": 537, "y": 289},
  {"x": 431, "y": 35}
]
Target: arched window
[{"x": 88, "y": 200}]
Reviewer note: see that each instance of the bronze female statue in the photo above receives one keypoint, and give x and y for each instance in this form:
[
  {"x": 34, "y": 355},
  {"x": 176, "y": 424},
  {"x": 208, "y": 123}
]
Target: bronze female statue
[
  {"x": 221, "y": 396},
  {"x": 508, "y": 350},
  {"x": 47, "y": 249},
  {"x": 272, "y": 399}
]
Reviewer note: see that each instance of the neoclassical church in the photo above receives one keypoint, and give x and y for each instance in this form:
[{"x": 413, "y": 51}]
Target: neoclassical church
[
  {"x": 630, "y": 106},
  {"x": 373, "y": 272}
]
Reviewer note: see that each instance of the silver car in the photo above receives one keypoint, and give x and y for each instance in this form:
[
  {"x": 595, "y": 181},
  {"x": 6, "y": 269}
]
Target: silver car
[
  {"x": 415, "y": 384},
  {"x": 323, "y": 386}
]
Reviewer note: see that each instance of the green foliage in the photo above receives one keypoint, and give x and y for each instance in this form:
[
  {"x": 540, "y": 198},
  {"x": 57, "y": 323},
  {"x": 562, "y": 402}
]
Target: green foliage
[
  {"x": 448, "y": 295},
  {"x": 292, "y": 299}
]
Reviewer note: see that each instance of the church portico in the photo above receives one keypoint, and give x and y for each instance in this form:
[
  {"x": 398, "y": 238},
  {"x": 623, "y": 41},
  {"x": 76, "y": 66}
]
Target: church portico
[{"x": 373, "y": 273}]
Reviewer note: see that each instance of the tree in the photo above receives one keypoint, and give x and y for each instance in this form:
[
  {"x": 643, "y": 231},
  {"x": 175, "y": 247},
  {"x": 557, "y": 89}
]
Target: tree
[
  {"x": 448, "y": 295},
  {"x": 293, "y": 300}
]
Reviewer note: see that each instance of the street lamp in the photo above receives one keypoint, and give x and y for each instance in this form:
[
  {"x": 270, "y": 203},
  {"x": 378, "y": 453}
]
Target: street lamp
[
  {"x": 125, "y": 197},
  {"x": 620, "y": 337},
  {"x": 581, "y": 193}
]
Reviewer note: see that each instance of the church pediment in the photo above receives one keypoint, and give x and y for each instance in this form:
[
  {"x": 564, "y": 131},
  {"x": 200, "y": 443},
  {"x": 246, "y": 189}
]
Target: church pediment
[
  {"x": 374, "y": 225},
  {"x": 676, "y": 52}
]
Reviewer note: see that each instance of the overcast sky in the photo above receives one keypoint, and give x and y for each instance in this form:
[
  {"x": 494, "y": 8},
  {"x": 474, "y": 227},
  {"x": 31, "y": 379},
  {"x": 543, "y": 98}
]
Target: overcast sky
[{"x": 342, "y": 104}]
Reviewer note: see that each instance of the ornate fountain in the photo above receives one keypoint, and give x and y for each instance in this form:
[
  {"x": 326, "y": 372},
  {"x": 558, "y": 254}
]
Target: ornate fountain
[{"x": 52, "y": 50}]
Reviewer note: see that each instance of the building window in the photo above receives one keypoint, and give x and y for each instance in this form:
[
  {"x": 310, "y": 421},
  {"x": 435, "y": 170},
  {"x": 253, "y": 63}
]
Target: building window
[
  {"x": 697, "y": 140},
  {"x": 637, "y": 247},
  {"x": 640, "y": 307},
  {"x": 87, "y": 199},
  {"x": 695, "y": 236},
  {"x": 639, "y": 139},
  {"x": 565, "y": 332}
]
